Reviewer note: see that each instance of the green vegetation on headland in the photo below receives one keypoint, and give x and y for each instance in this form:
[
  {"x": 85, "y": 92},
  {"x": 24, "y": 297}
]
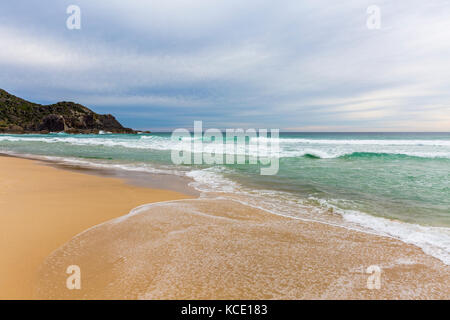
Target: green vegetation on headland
[{"x": 21, "y": 116}]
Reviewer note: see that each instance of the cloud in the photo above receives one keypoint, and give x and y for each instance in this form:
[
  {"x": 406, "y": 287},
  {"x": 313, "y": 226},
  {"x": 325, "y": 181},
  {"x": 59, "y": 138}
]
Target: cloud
[
  {"x": 22, "y": 50},
  {"x": 311, "y": 65}
]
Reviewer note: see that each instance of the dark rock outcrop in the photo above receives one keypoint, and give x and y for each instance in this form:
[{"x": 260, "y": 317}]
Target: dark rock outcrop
[
  {"x": 21, "y": 116},
  {"x": 52, "y": 123}
]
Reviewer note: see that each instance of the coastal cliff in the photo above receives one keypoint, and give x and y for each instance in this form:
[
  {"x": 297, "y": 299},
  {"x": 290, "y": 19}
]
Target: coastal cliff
[{"x": 20, "y": 116}]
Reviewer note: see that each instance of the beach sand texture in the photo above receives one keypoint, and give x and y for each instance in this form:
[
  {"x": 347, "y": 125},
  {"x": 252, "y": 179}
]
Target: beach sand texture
[
  {"x": 42, "y": 207},
  {"x": 219, "y": 249}
]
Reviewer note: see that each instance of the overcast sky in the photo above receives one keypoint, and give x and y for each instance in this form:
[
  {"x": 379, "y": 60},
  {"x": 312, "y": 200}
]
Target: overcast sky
[{"x": 295, "y": 65}]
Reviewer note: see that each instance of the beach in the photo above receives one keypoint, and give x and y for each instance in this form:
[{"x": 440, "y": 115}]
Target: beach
[
  {"x": 185, "y": 249},
  {"x": 217, "y": 249},
  {"x": 42, "y": 207}
]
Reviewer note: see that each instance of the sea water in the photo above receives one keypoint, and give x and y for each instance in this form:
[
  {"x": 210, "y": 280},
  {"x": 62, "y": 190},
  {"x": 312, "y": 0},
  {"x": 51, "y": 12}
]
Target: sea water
[{"x": 394, "y": 184}]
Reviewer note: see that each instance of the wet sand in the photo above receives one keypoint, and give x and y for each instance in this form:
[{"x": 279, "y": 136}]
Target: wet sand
[
  {"x": 42, "y": 207},
  {"x": 220, "y": 249}
]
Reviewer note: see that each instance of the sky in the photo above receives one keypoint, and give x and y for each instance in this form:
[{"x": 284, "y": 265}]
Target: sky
[{"x": 291, "y": 65}]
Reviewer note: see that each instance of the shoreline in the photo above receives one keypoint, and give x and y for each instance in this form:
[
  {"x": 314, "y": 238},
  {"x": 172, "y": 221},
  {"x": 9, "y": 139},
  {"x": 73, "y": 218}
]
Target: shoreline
[
  {"x": 220, "y": 249},
  {"x": 414, "y": 257},
  {"x": 182, "y": 184},
  {"x": 43, "y": 207},
  {"x": 136, "y": 178}
]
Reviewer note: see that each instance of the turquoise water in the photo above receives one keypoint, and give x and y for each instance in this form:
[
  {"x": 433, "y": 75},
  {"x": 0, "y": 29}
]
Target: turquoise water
[{"x": 401, "y": 177}]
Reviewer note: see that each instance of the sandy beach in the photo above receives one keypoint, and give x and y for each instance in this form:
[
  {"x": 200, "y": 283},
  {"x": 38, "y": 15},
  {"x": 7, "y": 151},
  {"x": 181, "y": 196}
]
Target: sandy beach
[
  {"x": 42, "y": 207},
  {"x": 185, "y": 249},
  {"x": 218, "y": 249}
]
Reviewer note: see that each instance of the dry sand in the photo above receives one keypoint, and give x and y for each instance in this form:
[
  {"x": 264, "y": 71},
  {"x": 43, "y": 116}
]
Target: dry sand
[{"x": 42, "y": 207}]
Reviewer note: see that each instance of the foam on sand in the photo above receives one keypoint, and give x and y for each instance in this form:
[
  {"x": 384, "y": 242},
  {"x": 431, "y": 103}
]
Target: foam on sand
[{"x": 220, "y": 249}]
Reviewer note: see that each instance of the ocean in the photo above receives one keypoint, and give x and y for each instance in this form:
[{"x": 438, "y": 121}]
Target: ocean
[{"x": 392, "y": 184}]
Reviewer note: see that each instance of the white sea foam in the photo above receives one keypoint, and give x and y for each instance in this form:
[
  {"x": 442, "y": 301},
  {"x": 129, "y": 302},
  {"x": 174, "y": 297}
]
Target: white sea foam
[{"x": 434, "y": 241}]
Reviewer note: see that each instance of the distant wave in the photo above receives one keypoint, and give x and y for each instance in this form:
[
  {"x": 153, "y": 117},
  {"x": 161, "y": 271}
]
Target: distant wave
[
  {"x": 381, "y": 142},
  {"x": 362, "y": 155},
  {"x": 289, "y": 147}
]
